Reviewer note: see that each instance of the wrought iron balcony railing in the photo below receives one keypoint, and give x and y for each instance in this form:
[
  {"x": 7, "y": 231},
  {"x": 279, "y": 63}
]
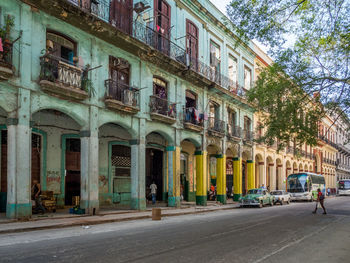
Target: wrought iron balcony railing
[
  {"x": 162, "y": 107},
  {"x": 58, "y": 70},
  {"x": 234, "y": 131},
  {"x": 156, "y": 39},
  {"x": 193, "y": 116},
  {"x": 6, "y": 55},
  {"x": 122, "y": 93},
  {"x": 216, "y": 125}
]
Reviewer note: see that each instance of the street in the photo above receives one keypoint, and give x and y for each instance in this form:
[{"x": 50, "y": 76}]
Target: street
[{"x": 288, "y": 233}]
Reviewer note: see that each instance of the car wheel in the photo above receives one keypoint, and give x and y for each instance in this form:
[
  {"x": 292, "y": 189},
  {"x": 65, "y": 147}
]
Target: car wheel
[{"x": 261, "y": 204}]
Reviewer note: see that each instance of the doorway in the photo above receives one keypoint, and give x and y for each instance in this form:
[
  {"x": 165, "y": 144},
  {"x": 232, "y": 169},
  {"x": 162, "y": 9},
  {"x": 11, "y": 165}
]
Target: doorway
[
  {"x": 184, "y": 178},
  {"x": 154, "y": 171},
  {"x": 72, "y": 176}
]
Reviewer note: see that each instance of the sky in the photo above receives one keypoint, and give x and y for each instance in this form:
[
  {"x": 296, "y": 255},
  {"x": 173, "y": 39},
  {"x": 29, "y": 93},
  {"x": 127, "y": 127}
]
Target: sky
[{"x": 221, "y": 5}]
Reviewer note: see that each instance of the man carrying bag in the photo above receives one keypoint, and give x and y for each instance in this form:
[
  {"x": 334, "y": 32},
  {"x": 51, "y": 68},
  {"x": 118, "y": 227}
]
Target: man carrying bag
[{"x": 320, "y": 199}]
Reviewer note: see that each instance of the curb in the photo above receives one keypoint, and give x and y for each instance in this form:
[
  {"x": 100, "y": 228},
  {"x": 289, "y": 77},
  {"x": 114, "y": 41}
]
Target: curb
[{"x": 98, "y": 222}]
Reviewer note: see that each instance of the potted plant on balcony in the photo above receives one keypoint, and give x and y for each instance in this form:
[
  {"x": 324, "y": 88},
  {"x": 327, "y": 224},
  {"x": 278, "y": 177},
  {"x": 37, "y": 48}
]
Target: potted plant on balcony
[{"x": 5, "y": 42}]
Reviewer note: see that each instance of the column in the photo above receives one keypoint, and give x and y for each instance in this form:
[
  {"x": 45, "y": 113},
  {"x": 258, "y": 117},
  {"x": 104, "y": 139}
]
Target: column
[
  {"x": 18, "y": 169},
  {"x": 138, "y": 199},
  {"x": 201, "y": 177},
  {"x": 237, "y": 178},
  {"x": 89, "y": 172},
  {"x": 251, "y": 174},
  {"x": 173, "y": 176},
  {"x": 221, "y": 178}
]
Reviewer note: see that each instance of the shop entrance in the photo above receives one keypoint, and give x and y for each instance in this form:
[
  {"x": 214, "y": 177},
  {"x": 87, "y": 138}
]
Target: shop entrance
[
  {"x": 229, "y": 177},
  {"x": 154, "y": 171},
  {"x": 184, "y": 179},
  {"x": 72, "y": 176}
]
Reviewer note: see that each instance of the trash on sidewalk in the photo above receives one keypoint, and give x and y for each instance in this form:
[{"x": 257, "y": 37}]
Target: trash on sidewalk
[
  {"x": 86, "y": 227},
  {"x": 156, "y": 213}
]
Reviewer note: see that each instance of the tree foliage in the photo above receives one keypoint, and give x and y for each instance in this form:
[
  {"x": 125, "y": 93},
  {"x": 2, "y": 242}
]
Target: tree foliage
[{"x": 310, "y": 43}]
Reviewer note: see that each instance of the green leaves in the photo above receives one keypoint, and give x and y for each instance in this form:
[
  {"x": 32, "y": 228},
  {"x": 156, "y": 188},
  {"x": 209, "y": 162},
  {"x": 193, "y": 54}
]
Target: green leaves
[{"x": 316, "y": 61}]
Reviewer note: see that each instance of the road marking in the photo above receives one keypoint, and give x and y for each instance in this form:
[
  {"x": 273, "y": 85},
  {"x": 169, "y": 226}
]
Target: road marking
[{"x": 293, "y": 243}]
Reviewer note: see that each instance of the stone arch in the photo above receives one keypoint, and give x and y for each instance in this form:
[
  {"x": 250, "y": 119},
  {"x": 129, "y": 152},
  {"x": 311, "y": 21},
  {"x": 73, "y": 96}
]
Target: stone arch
[
  {"x": 310, "y": 168},
  {"x": 130, "y": 130},
  {"x": 78, "y": 118},
  {"x": 306, "y": 168},
  {"x": 194, "y": 141},
  {"x": 295, "y": 167},
  {"x": 3, "y": 115},
  {"x": 168, "y": 137},
  {"x": 300, "y": 169}
]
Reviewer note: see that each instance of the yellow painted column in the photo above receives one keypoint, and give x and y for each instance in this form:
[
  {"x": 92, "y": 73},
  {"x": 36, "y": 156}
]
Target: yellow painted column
[
  {"x": 237, "y": 178},
  {"x": 221, "y": 178},
  {"x": 201, "y": 177},
  {"x": 251, "y": 174}
]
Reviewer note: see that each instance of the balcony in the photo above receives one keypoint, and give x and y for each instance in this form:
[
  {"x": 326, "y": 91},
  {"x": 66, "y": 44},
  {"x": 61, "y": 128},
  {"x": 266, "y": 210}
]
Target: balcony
[
  {"x": 216, "y": 127},
  {"x": 6, "y": 69},
  {"x": 121, "y": 97},
  {"x": 193, "y": 120},
  {"x": 248, "y": 137},
  {"x": 62, "y": 79},
  {"x": 290, "y": 150},
  {"x": 162, "y": 110},
  {"x": 234, "y": 132}
]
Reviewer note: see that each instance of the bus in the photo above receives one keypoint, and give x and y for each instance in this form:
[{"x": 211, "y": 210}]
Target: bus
[
  {"x": 303, "y": 186},
  {"x": 344, "y": 187}
]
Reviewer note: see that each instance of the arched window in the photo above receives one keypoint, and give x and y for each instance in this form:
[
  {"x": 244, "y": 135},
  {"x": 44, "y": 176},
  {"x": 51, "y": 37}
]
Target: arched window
[{"x": 61, "y": 46}]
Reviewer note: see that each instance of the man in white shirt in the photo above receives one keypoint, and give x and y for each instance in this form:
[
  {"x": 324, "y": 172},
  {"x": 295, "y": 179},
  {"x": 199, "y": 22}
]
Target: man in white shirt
[{"x": 153, "y": 188}]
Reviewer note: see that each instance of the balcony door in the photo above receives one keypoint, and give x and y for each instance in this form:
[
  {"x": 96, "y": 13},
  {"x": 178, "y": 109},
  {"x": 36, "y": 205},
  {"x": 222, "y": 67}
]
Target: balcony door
[
  {"x": 192, "y": 43},
  {"x": 121, "y": 14},
  {"x": 162, "y": 13},
  {"x": 119, "y": 71},
  {"x": 60, "y": 46}
]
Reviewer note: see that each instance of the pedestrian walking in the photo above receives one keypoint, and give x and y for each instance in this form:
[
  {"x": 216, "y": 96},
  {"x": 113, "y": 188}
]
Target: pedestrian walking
[
  {"x": 328, "y": 191},
  {"x": 320, "y": 199},
  {"x": 153, "y": 188},
  {"x": 36, "y": 191}
]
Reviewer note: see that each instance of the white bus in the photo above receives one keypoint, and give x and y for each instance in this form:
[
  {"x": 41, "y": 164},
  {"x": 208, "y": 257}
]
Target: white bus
[
  {"x": 303, "y": 186},
  {"x": 344, "y": 187}
]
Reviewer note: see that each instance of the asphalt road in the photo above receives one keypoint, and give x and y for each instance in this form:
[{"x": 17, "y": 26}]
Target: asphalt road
[{"x": 288, "y": 233}]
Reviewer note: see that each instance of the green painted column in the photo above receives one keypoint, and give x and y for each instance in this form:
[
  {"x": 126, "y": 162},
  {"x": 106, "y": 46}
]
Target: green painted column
[
  {"x": 201, "y": 177},
  {"x": 138, "y": 199},
  {"x": 237, "y": 178}
]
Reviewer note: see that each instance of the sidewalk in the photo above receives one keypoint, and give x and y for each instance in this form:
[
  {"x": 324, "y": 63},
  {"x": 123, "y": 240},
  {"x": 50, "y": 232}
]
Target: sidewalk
[{"x": 107, "y": 216}]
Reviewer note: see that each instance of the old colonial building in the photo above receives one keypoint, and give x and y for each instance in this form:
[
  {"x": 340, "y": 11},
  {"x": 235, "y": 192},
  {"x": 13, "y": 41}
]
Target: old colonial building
[{"x": 99, "y": 99}]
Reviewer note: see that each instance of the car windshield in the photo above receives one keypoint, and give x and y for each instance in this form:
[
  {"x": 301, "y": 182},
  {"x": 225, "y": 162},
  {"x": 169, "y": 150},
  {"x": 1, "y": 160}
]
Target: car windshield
[
  {"x": 298, "y": 183},
  {"x": 276, "y": 193},
  {"x": 254, "y": 192}
]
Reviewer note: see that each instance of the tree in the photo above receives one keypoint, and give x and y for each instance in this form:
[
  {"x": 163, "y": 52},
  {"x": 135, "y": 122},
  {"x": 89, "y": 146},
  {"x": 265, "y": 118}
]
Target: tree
[{"x": 310, "y": 43}]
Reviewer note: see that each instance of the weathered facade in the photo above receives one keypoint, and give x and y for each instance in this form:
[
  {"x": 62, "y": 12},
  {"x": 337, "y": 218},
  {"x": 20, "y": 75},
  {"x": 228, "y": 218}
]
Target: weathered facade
[{"x": 98, "y": 99}]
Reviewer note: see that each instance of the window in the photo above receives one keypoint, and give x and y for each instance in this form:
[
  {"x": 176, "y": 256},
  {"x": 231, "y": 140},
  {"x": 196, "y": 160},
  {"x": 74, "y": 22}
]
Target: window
[
  {"x": 163, "y": 25},
  {"x": 191, "y": 99},
  {"x": 247, "y": 124},
  {"x": 247, "y": 78},
  {"x": 192, "y": 40},
  {"x": 119, "y": 70},
  {"x": 61, "y": 46},
  {"x": 215, "y": 56},
  {"x": 160, "y": 88},
  {"x": 232, "y": 69}
]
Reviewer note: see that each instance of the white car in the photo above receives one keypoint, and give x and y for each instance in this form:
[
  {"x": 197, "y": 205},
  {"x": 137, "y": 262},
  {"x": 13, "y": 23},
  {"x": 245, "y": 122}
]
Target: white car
[{"x": 281, "y": 196}]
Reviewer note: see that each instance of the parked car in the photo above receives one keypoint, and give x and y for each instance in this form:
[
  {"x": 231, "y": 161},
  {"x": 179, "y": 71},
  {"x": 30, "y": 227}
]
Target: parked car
[
  {"x": 281, "y": 196},
  {"x": 256, "y": 197}
]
